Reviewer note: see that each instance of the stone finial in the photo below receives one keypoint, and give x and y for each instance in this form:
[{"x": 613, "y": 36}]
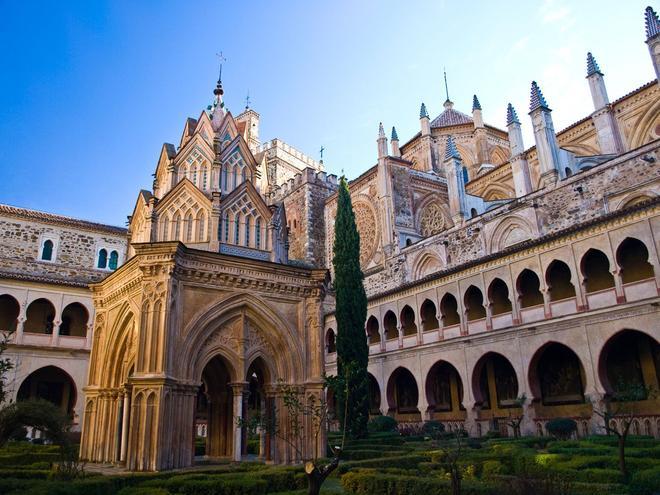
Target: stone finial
[
  {"x": 450, "y": 149},
  {"x": 537, "y": 100},
  {"x": 592, "y": 66},
  {"x": 511, "y": 115},
  {"x": 652, "y": 23},
  {"x": 381, "y": 130},
  {"x": 395, "y": 137},
  {"x": 422, "y": 112},
  {"x": 475, "y": 103}
]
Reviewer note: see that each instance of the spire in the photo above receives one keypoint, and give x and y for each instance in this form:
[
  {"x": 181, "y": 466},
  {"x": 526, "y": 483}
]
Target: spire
[
  {"x": 218, "y": 107},
  {"x": 450, "y": 149},
  {"x": 395, "y": 137},
  {"x": 537, "y": 100},
  {"x": 446, "y": 86},
  {"x": 652, "y": 23},
  {"x": 475, "y": 103},
  {"x": 592, "y": 66},
  {"x": 422, "y": 112},
  {"x": 381, "y": 131},
  {"x": 511, "y": 115}
]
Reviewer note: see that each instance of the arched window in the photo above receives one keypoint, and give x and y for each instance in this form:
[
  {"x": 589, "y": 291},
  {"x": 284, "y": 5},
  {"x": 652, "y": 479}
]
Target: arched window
[
  {"x": 247, "y": 231},
  {"x": 205, "y": 172},
  {"x": 201, "y": 226},
  {"x": 558, "y": 279},
  {"x": 402, "y": 392},
  {"x": 474, "y": 304},
  {"x": 166, "y": 228},
  {"x": 234, "y": 177},
  {"x": 528, "y": 286},
  {"x": 225, "y": 178},
  {"x": 443, "y": 383},
  {"x": 74, "y": 320},
  {"x": 568, "y": 171},
  {"x": 633, "y": 258},
  {"x": 429, "y": 318},
  {"x": 474, "y": 213},
  {"x": 408, "y": 321},
  {"x": 114, "y": 260},
  {"x": 103, "y": 259},
  {"x": 177, "y": 228},
  {"x": 257, "y": 233},
  {"x": 189, "y": 228},
  {"x": 449, "y": 310},
  {"x": 40, "y": 315},
  {"x": 9, "y": 310},
  {"x": 330, "y": 343},
  {"x": 596, "y": 271},
  {"x": 47, "y": 250},
  {"x": 226, "y": 227},
  {"x": 373, "y": 334},
  {"x": 237, "y": 221},
  {"x": 557, "y": 373},
  {"x": 389, "y": 323},
  {"x": 493, "y": 372},
  {"x": 498, "y": 295},
  {"x": 193, "y": 174},
  {"x": 466, "y": 175}
]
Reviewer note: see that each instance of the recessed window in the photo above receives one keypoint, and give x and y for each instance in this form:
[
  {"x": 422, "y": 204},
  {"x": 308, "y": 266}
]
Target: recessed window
[
  {"x": 114, "y": 260},
  {"x": 103, "y": 259},
  {"x": 47, "y": 250}
]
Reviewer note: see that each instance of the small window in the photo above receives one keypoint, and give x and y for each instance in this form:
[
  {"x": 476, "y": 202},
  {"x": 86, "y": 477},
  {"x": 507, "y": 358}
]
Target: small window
[
  {"x": 47, "y": 250},
  {"x": 466, "y": 175},
  {"x": 257, "y": 233},
  {"x": 227, "y": 227},
  {"x": 247, "y": 231},
  {"x": 204, "y": 178},
  {"x": 235, "y": 177},
  {"x": 225, "y": 179},
  {"x": 236, "y": 227},
  {"x": 244, "y": 175},
  {"x": 114, "y": 259},
  {"x": 103, "y": 259}
]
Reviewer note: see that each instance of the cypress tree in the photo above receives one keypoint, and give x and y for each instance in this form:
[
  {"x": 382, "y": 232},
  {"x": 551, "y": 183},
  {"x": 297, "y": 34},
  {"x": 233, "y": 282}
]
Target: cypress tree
[{"x": 351, "y": 314}]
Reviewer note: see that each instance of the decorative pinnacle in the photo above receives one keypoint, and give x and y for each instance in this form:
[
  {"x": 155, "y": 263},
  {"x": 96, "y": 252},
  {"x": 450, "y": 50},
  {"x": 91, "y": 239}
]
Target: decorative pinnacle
[
  {"x": 537, "y": 100},
  {"x": 592, "y": 66},
  {"x": 511, "y": 115},
  {"x": 395, "y": 137},
  {"x": 475, "y": 103},
  {"x": 450, "y": 149},
  {"x": 422, "y": 112},
  {"x": 652, "y": 23},
  {"x": 381, "y": 131}
]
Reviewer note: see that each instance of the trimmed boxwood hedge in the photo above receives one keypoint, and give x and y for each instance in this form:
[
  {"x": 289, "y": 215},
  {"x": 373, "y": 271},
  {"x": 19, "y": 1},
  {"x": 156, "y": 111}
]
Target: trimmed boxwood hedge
[
  {"x": 371, "y": 482},
  {"x": 401, "y": 462},
  {"x": 646, "y": 482}
]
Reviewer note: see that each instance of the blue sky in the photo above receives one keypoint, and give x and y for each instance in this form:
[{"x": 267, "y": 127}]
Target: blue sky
[{"x": 89, "y": 91}]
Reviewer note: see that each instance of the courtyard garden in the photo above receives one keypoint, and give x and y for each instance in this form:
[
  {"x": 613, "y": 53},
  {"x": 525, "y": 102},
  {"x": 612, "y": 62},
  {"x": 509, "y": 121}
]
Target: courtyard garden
[{"x": 383, "y": 463}]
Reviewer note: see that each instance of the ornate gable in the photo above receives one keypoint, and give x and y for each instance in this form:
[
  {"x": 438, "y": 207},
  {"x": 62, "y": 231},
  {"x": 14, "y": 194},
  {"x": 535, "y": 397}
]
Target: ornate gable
[{"x": 183, "y": 214}]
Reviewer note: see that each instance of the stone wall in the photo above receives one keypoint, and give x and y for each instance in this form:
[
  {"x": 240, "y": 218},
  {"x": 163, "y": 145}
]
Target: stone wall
[{"x": 74, "y": 254}]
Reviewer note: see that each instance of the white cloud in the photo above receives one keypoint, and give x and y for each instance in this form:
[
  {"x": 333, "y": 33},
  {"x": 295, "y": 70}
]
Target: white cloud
[{"x": 554, "y": 11}]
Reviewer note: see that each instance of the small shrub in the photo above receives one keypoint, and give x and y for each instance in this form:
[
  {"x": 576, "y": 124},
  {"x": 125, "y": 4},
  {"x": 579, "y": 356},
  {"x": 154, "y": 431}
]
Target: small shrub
[
  {"x": 491, "y": 469},
  {"x": 562, "y": 428},
  {"x": 433, "y": 428},
  {"x": 382, "y": 423}
]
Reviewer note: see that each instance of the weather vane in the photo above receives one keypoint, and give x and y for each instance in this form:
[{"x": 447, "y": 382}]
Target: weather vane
[
  {"x": 446, "y": 87},
  {"x": 222, "y": 59},
  {"x": 321, "y": 151},
  {"x": 247, "y": 100}
]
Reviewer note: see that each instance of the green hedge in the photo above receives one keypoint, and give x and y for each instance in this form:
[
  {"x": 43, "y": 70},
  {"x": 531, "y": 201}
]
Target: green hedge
[
  {"x": 367, "y": 483},
  {"x": 137, "y": 490},
  {"x": 360, "y": 454},
  {"x": 646, "y": 482},
  {"x": 26, "y": 458},
  {"x": 401, "y": 462}
]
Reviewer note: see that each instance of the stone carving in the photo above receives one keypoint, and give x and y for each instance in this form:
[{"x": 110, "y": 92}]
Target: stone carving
[
  {"x": 432, "y": 220},
  {"x": 365, "y": 219}
]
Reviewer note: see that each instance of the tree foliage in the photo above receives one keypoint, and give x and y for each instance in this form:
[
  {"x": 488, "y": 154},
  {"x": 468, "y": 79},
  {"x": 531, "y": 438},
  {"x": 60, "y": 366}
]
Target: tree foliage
[
  {"x": 5, "y": 364},
  {"x": 351, "y": 314}
]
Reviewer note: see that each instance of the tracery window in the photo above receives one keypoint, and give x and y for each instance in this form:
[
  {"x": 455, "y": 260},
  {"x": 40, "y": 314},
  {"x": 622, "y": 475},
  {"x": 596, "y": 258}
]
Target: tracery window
[
  {"x": 204, "y": 178},
  {"x": 234, "y": 177},
  {"x": 257, "y": 233},
  {"x": 432, "y": 220},
  {"x": 236, "y": 228},
  {"x": 366, "y": 225},
  {"x": 193, "y": 174},
  {"x": 225, "y": 178},
  {"x": 247, "y": 231},
  {"x": 226, "y": 227}
]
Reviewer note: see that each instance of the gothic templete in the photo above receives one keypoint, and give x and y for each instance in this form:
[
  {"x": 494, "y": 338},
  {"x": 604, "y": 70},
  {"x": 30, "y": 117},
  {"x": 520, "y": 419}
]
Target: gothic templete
[{"x": 493, "y": 271}]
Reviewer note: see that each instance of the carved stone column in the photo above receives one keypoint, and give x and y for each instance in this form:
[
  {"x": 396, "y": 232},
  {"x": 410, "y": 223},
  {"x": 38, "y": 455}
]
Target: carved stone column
[{"x": 238, "y": 391}]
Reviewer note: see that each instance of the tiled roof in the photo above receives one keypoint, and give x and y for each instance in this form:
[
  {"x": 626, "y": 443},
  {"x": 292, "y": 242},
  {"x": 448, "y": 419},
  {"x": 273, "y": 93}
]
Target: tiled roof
[
  {"x": 59, "y": 219},
  {"x": 450, "y": 117},
  {"x": 511, "y": 115},
  {"x": 592, "y": 65}
]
